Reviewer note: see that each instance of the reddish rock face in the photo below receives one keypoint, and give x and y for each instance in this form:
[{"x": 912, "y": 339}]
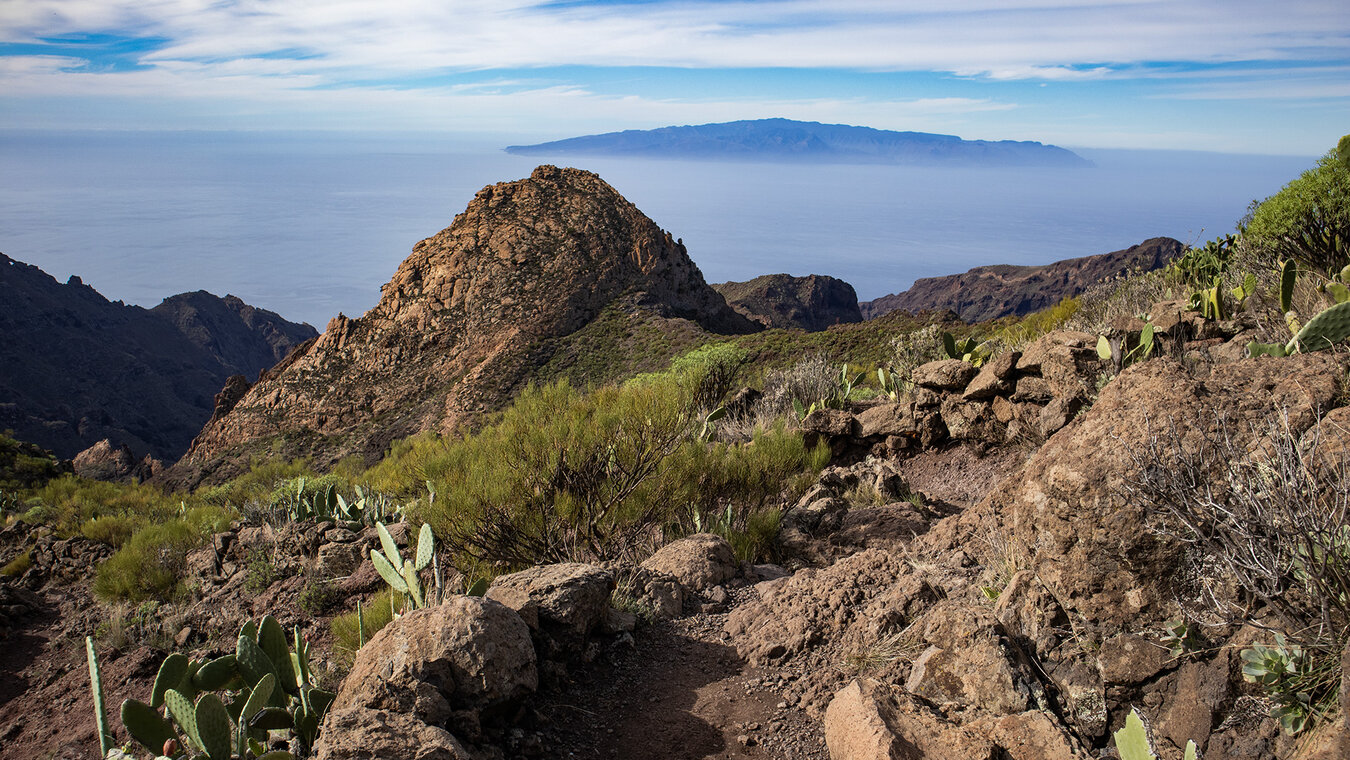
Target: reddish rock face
[
  {"x": 990, "y": 292},
  {"x": 456, "y": 328}
]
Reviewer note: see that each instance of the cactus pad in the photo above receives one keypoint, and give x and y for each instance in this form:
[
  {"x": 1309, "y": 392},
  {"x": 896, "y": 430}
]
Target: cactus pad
[
  {"x": 214, "y": 727},
  {"x": 1328, "y": 328},
  {"x": 171, "y": 673},
  {"x": 150, "y": 729},
  {"x": 272, "y": 640}
]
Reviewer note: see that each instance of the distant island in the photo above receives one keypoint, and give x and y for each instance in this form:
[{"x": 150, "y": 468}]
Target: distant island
[{"x": 784, "y": 140}]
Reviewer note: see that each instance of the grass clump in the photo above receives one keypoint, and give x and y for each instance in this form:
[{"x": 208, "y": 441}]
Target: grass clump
[
  {"x": 347, "y": 633},
  {"x": 18, "y": 566},
  {"x": 113, "y": 530},
  {"x": 150, "y": 565}
]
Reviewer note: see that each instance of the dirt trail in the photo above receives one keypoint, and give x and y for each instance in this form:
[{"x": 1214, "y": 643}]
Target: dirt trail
[{"x": 682, "y": 693}]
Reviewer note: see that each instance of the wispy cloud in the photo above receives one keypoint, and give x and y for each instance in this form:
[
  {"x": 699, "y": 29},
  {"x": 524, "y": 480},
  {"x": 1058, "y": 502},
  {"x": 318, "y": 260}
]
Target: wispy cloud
[{"x": 290, "y": 54}]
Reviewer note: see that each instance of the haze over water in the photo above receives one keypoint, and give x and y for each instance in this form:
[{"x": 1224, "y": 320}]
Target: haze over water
[{"x": 310, "y": 226}]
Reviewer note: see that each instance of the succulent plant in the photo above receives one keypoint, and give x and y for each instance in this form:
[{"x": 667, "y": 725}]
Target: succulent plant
[
  {"x": 267, "y": 687},
  {"x": 105, "y": 739},
  {"x": 1134, "y": 743},
  {"x": 1328, "y": 327},
  {"x": 402, "y": 575},
  {"x": 968, "y": 350},
  {"x": 1288, "y": 275}
]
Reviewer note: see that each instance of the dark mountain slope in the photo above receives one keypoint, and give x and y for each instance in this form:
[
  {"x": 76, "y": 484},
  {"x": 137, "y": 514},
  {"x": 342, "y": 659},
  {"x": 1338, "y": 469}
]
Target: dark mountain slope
[
  {"x": 76, "y": 368},
  {"x": 810, "y": 303}
]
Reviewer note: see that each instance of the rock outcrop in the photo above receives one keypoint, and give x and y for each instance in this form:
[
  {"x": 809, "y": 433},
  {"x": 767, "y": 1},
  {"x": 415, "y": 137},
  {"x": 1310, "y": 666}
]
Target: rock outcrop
[
  {"x": 991, "y": 292},
  {"x": 463, "y": 322},
  {"x": 808, "y": 303},
  {"x": 76, "y": 368}
]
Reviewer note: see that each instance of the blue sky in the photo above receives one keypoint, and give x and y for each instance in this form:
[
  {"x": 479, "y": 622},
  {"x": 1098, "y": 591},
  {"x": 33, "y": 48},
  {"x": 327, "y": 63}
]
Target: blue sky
[{"x": 1222, "y": 75}]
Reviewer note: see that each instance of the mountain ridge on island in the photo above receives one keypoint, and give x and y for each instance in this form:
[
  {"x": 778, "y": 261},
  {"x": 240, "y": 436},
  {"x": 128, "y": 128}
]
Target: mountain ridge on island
[{"x": 786, "y": 140}]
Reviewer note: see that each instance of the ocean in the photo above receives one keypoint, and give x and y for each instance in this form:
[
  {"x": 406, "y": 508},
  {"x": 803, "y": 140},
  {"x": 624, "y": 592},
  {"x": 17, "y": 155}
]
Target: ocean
[{"x": 311, "y": 225}]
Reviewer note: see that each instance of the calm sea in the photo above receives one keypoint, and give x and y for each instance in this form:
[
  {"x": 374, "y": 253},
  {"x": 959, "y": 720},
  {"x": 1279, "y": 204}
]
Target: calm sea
[{"x": 310, "y": 225}]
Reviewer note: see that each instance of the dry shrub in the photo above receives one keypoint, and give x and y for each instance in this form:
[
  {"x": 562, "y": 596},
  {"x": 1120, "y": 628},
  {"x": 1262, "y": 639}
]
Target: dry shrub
[
  {"x": 1269, "y": 519},
  {"x": 914, "y": 349},
  {"x": 811, "y": 379}
]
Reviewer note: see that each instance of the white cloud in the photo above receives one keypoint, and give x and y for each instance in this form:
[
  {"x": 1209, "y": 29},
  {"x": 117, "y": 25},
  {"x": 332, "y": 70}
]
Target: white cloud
[{"x": 1040, "y": 39}]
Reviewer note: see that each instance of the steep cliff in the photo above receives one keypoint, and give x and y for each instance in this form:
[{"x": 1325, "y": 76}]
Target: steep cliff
[
  {"x": 463, "y": 322},
  {"x": 1004, "y": 290},
  {"x": 76, "y": 368},
  {"x": 811, "y": 303}
]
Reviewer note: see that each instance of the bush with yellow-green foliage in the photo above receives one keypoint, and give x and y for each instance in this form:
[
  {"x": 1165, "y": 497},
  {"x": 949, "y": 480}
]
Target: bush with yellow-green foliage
[
  {"x": 23, "y": 465},
  {"x": 565, "y": 474},
  {"x": 151, "y": 562},
  {"x": 69, "y": 502}
]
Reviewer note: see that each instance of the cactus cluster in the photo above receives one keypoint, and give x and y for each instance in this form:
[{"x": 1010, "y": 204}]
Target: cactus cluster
[
  {"x": 267, "y": 686},
  {"x": 1210, "y": 302},
  {"x": 1324, "y": 330},
  {"x": 403, "y": 575},
  {"x": 968, "y": 350},
  {"x": 326, "y": 503}
]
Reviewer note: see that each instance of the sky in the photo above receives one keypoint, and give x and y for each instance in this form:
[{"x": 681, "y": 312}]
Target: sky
[{"x": 1238, "y": 76}]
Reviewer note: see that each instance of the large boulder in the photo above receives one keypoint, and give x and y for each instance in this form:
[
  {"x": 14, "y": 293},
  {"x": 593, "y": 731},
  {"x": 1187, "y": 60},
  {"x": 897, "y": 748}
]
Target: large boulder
[
  {"x": 467, "y": 655},
  {"x": 866, "y": 721},
  {"x": 698, "y": 562},
  {"x": 945, "y": 375},
  {"x": 384, "y": 735},
  {"x": 1072, "y": 499},
  {"x": 562, "y": 603}
]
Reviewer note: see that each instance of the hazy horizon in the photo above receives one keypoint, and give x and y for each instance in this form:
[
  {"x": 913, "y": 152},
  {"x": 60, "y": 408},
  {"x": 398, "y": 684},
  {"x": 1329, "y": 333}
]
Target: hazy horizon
[{"x": 312, "y": 225}]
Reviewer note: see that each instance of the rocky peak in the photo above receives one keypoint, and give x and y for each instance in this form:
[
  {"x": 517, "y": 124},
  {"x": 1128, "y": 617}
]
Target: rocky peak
[
  {"x": 811, "y": 303},
  {"x": 237, "y": 334},
  {"x": 459, "y": 325}
]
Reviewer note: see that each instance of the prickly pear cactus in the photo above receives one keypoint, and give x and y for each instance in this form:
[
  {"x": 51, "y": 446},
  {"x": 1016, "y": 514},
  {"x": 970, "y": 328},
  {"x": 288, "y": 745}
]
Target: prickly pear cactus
[
  {"x": 1328, "y": 328},
  {"x": 105, "y": 740},
  {"x": 150, "y": 729}
]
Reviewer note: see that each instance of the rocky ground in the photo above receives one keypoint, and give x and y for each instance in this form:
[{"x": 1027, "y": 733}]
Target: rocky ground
[{"x": 972, "y": 578}]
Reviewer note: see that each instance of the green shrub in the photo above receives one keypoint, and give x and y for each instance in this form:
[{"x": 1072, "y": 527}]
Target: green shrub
[
  {"x": 149, "y": 565},
  {"x": 1309, "y": 219},
  {"x": 564, "y": 474},
  {"x": 709, "y": 373},
  {"x": 113, "y": 530},
  {"x": 754, "y": 540},
  {"x": 18, "y": 566},
  {"x": 260, "y": 572},
  {"x": 1027, "y": 329},
  {"x": 258, "y": 484},
  {"x": 68, "y": 502},
  {"x": 23, "y": 465},
  {"x": 319, "y": 596}
]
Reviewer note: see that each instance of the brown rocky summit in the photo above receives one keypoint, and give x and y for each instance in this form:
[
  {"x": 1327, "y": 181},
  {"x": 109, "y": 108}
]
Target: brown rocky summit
[{"x": 463, "y": 322}]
